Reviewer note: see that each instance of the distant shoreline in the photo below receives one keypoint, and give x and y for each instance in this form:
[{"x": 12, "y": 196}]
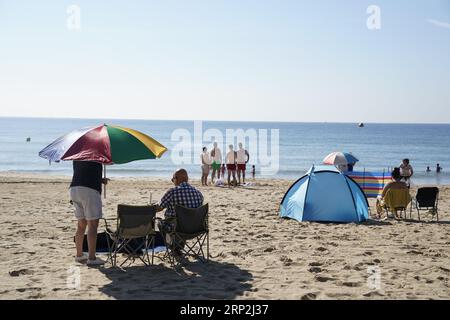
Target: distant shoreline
[
  {"x": 356, "y": 122},
  {"x": 5, "y": 176}
]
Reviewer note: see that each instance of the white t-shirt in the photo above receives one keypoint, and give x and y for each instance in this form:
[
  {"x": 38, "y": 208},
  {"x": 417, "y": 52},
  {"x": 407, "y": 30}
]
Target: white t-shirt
[
  {"x": 217, "y": 155},
  {"x": 205, "y": 158},
  {"x": 241, "y": 156},
  {"x": 405, "y": 170},
  {"x": 231, "y": 157}
]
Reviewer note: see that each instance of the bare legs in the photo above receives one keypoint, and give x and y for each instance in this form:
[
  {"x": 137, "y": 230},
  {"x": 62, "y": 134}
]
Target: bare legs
[
  {"x": 205, "y": 179},
  {"x": 239, "y": 176},
  {"x": 79, "y": 236},
  {"x": 234, "y": 176},
  {"x": 92, "y": 237}
]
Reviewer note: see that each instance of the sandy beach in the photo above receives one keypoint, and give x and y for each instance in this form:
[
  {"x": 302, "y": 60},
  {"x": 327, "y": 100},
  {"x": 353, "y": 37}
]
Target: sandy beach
[{"x": 254, "y": 253}]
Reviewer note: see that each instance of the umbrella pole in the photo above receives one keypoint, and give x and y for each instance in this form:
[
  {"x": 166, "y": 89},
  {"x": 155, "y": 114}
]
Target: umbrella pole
[{"x": 104, "y": 177}]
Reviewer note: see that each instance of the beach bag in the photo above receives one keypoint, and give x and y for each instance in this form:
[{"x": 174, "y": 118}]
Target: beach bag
[{"x": 103, "y": 237}]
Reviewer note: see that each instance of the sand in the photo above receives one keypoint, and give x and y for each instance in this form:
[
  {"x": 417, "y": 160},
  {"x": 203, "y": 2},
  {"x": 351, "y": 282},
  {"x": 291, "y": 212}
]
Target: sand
[{"x": 255, "y": 254}]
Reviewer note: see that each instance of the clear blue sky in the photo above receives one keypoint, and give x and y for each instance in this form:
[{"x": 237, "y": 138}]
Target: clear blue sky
[{"x": 227, "y": 60}]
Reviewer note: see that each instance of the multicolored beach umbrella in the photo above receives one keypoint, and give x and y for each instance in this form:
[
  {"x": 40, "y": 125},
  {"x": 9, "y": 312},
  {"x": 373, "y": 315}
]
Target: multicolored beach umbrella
[
  {"x": 104, "y": 144},
  {"x": 339, "y": 158}
]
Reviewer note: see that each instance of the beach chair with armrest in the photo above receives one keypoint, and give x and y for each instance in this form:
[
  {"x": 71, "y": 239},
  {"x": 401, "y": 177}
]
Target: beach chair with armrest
[
  {"x": 133, "y": 223},
  {"x": 397, "y": 200},
  {"x": 190, "y": 234},
  {"x": 427, "y": 199}
]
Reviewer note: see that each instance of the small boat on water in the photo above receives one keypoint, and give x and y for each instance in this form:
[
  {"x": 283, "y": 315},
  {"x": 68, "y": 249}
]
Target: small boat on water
[{"x": 361, "y": 125}]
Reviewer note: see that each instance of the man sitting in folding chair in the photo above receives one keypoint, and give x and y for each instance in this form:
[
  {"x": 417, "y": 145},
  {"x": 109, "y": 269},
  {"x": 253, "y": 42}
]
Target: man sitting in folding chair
[
  {"x": 183, "y": 194},
  {"x": 395, "y": 185}
]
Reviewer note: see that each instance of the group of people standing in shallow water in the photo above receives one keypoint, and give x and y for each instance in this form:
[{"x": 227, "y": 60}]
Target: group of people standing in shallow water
[
  {"x": 438, "y": 168},
  {"x": 235, "y": 165}
]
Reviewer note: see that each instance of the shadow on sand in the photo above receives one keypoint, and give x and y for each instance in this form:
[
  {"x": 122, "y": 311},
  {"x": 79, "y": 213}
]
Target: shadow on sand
[
  {"x": 195, "y": 280},
  {"x": 374, "y": 222}
]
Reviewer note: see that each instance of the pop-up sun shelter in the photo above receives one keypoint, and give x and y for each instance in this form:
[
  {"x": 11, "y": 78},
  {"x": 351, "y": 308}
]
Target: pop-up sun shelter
[{"x": 325, "y": 194}]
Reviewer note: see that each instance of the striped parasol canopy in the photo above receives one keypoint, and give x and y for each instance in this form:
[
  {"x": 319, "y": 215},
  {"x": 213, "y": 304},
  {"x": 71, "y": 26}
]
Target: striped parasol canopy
[
  {"x": 105, "y": 144},
  {"x": 339, "y": 158}
]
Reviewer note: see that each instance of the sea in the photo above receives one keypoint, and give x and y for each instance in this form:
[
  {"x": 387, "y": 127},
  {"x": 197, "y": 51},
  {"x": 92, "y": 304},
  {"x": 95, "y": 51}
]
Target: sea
[{"x": 282, "y": 150}]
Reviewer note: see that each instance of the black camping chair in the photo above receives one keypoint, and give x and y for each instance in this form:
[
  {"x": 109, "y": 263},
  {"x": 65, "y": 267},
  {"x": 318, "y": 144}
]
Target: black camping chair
[
  {"x": 133, "y": 224},
  {"x": 427, "y": 198},
  {"x": 190, "y": 233}
]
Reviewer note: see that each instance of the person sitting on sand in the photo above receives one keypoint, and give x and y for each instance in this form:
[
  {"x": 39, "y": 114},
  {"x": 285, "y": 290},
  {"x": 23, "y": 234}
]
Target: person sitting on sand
[
  {"x": 182, "y": 194},
  {"x": 396, "y": 183},
  {"x": 85, "y": 194}
]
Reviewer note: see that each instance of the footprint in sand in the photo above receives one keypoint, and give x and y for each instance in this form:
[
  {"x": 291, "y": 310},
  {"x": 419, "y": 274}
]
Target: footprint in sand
[
  {"x": 373, "y": 294},
  {"x": 309, "y": 296},
  {"x": 16, "y": 273},
  {"x": 323, "y": 278},
  {"x": 414, "y": 252},
  {"x": 358, "y": 266},
  {"x": 351, "y": 284},
  {"x": 315, "y": 269},
  {"x": 286, "y": 260},
  {"x": 28, "y": 289},
  {"x": 316, "y": 264}
]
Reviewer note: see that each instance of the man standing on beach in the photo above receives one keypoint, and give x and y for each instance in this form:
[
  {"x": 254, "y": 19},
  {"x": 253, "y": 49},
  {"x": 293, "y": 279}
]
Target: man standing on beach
[
  {"x": 206, "y": 162},
  {"x": 216, "y": 157},
  {"x": 242, "y": 157},
  {"x": 231, "y": 164},
  {"x": 85, "y": 194}
]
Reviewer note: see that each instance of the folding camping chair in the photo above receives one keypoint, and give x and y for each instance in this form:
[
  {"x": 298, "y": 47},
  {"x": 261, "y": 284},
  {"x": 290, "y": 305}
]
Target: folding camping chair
[
  {"x": 190, "y": 225},
  {"x": 397, "y": 200},
  {"x": 427, "y": 199},
  {"x": 134, "y": 223}
]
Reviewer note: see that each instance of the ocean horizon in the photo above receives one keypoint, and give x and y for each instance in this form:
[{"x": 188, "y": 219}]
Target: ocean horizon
[{"x": 298, "y": 146}]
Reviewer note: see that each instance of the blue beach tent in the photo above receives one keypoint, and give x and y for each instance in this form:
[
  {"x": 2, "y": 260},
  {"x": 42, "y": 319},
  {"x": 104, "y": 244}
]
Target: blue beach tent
[{"x": 325, "y": 194}]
